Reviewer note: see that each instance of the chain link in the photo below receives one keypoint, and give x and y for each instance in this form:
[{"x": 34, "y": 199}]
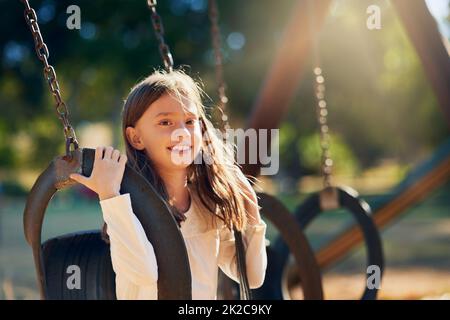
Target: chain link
[
  {"x": 158, "y": 27},
  {"x": 213, "y": 13},
  {"x": 50, "y": 75}
]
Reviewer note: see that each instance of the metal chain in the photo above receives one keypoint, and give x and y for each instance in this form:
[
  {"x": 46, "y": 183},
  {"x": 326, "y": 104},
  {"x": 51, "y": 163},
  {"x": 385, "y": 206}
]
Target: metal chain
[
  {"x": 158, "y": 27},
  {"x": 322, "y": 113},
  {"x": 213, "y": 14},
  {"x": 321, "y": 104},
  {"x": 50, "y": 75}
]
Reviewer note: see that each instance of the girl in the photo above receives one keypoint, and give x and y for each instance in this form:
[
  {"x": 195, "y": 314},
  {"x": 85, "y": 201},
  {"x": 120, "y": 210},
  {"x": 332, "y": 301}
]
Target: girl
[{"x": 168, "y": 138}]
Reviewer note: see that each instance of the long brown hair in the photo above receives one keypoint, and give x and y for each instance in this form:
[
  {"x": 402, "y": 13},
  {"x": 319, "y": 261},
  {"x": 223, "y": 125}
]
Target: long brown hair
[{"x": 218, "y": 183}]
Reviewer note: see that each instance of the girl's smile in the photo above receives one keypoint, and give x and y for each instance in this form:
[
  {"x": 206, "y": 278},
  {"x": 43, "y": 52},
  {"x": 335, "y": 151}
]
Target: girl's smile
[{"x": 180, "y": 148}]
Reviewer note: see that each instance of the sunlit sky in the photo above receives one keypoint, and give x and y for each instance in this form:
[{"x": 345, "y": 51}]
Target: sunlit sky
[{"x": 440, "y": 10}]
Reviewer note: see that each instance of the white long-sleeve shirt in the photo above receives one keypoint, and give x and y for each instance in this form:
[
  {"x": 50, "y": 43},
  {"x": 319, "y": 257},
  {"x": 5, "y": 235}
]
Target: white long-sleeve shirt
[{"x": 208, "y": 245}]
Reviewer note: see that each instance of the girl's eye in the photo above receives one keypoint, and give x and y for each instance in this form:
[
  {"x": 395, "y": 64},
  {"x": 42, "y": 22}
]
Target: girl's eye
[
  {"x": 164, "y": 123},
  {"x": 191, "y": 121}
]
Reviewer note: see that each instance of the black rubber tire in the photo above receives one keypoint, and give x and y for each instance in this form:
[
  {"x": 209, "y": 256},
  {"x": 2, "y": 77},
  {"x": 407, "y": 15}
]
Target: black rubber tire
[
  {"x": 91, "y": 254},
  {"x": 360, "y": 211}
]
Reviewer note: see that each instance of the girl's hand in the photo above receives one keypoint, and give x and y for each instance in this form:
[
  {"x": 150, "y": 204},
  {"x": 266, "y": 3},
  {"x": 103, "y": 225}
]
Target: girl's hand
[
  {"x": 251, "y": 204},
  {"x": 107, "y": 173}
]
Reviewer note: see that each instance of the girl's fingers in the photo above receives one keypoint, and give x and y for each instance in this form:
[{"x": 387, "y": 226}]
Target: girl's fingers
[
  {"x": 115, "y": 155},
  {"x": 108, "y": 153},
  {"x": 99, "y": 153},
  {"x": 123, "y": 159}
]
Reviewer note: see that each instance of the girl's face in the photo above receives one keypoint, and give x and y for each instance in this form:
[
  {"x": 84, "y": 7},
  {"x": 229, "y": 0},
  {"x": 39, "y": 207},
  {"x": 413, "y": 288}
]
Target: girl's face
[{"x": 169, "y": 131}]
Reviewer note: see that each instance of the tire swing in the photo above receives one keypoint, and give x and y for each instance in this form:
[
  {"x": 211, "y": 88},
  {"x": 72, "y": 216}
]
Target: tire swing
[
  {"x": 347, "y": 199},
  {"x": 297, "y": 243},
  {"x": 86, "y": 250},
  {"x": 272, "y": 209},
  {"x": 332, "y": 198}
]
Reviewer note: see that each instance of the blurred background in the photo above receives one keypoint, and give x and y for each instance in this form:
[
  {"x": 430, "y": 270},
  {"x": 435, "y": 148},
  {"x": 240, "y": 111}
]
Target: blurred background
[{"x": 384, "y": 118}]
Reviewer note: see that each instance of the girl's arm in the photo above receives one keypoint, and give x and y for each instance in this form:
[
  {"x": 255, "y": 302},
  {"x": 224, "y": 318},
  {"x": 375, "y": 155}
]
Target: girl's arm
[
  {"x": 256, "y": 256},
  {"x": 132, "y": 254},
  {"x": 254, "y": 242}
]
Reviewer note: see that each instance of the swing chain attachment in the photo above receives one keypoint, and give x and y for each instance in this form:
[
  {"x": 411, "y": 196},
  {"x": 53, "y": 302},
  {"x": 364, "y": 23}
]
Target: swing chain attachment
[
  {"x": 213, "y": 14},
  {"x": 50, "y": 75},
  {"x": 158, "y": 27}
]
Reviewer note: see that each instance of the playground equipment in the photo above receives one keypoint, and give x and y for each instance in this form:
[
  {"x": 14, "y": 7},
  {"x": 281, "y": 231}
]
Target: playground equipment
[
  {"x": 284, "y": 76},
  {"x": 420, "y": 182},
  {"x": 87, "y": 250}
]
